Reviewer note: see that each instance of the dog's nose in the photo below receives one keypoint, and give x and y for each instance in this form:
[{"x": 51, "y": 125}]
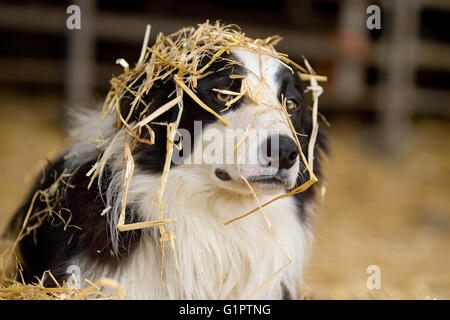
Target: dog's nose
[
  {"x": 288, "y": 153},
  {"x": 285, "y": 156}
]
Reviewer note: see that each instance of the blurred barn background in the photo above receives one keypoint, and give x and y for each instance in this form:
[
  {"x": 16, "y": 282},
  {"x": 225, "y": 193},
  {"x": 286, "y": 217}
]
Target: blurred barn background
[{"x": 387, "y": 99}]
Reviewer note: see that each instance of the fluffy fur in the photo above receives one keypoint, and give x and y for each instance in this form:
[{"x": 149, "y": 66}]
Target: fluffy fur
[{"x": 216, "y": 261}]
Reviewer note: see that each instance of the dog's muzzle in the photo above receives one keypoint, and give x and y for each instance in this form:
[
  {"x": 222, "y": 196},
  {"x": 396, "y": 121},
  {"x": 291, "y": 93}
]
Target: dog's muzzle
[{"x": 277, "y": 155}]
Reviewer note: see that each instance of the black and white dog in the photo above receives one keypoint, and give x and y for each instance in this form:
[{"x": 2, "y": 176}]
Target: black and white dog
[{"x": 215, "y": 261}]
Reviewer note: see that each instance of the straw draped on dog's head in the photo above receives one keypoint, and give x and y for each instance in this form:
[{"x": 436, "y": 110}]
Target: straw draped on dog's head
[
  {"x": 186, "y": 55},
  {"x": 180, "y": 61}
]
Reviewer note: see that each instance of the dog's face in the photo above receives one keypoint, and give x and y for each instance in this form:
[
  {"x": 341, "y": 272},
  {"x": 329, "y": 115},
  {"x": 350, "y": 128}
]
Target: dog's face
[{"x": 258, "y": 147}]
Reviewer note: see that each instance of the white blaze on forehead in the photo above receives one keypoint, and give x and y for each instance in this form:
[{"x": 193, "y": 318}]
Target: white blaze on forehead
[
  {"x": 263, "y": 78},
  {"x": 252, "y": 123},
  {"x": 261, "y": 68}
]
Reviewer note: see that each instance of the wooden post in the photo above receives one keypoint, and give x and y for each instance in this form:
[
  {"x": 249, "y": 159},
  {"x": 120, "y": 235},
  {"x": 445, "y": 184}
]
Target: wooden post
[
  {"x": 349, "y": 83},
  {"x": 395, "y": 97},
  {"x": 80, "y": 64}
]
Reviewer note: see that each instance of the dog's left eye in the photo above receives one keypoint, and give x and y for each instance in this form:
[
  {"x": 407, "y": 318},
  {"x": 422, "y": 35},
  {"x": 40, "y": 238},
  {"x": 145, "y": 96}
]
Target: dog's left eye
[
  {"x": 223, "y": 97},
  {"x": 291, "y": 104}
]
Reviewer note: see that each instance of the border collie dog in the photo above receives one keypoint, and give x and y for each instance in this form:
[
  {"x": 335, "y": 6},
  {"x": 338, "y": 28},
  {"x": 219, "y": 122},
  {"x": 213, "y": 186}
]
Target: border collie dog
[{"x": 215, "y": 260}]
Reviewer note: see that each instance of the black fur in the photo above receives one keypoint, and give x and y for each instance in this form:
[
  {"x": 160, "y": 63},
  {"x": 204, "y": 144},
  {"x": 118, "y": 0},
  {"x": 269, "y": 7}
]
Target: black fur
[
  {"x": 152, "y": 157},
  {"x": 74, "y": 226}
]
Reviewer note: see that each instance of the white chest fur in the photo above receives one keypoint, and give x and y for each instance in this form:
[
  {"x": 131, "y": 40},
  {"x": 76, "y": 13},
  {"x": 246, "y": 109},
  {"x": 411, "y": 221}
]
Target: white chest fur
[{"x": 216, "y": 261}]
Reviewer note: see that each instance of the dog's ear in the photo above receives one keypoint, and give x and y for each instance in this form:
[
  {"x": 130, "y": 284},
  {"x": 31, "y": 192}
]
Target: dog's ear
[
  {"x": 150, "y": 156},
  {"x": 157, "y": 96}
]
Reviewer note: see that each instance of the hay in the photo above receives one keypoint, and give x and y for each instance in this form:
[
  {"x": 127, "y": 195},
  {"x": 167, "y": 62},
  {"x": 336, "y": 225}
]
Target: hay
[
  {"x": 51, "y": 197},
  {"x": 14, "y": 290},
  {"x": 175, "y": 57}
]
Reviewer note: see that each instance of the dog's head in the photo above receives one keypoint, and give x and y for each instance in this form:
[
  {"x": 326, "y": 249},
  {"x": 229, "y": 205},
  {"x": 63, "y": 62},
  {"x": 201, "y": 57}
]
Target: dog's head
[{"x": 261, "y": 99}]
